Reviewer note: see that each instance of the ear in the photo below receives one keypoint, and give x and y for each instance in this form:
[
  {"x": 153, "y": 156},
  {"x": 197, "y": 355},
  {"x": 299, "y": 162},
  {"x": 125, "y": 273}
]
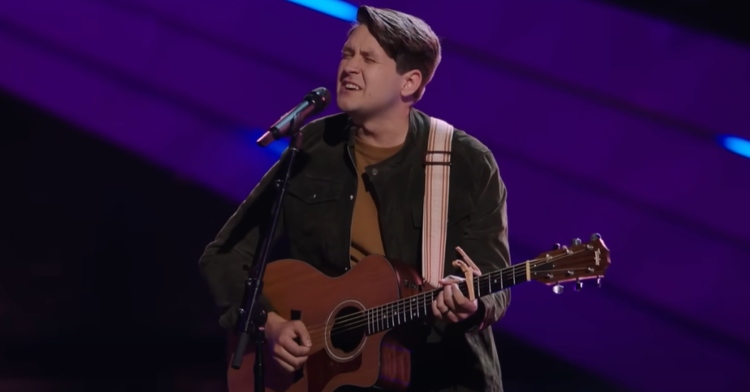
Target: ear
[{"x": 411, "y": 80}]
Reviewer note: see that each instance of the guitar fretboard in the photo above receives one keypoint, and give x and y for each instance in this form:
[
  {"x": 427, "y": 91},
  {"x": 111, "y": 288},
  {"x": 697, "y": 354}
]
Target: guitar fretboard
[{"x": 416, "y": 307}]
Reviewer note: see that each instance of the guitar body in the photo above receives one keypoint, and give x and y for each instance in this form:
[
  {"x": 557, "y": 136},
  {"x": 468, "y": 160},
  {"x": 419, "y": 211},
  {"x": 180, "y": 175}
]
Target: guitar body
[
  {"x": 299, "y": 291},
  {"x": 347, "y": 348}
]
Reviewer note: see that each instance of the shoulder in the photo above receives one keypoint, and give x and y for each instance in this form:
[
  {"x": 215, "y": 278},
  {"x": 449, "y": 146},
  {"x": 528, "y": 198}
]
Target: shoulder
[
  {"x": 469, "y": 149},
  {"x": 479, "y": 159},
  {"x": 479, "y": 164},
  {"x": 466, "y": 144}
]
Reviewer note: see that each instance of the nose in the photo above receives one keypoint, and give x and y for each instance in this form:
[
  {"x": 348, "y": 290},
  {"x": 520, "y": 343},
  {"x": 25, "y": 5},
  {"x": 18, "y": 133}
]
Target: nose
[{"x": 351, "y": 65}]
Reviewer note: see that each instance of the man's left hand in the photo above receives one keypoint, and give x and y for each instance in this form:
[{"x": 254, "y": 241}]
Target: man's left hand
[{"x": 451, "y": 304}]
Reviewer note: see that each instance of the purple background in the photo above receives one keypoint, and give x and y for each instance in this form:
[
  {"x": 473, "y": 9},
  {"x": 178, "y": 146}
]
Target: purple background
[{"x": 601, "y": 119}]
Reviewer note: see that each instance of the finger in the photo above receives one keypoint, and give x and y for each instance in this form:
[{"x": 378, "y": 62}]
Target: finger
[
  {"x": 299, "y": 361},
  {"x": 448, "y": 297},
  {"x": 459, "y": 299},
  {"x": 292, "y": 347},
  {"x": 284, "y": 358},
  {"x": 437, "y": 304},
  {"x": 468, "y": 261},
  {"x": 302, "y": 332},
  {"x": 452, "y": 317},
  {"x": 451, "y": 279},
  {"x": 284, "y": 365}
]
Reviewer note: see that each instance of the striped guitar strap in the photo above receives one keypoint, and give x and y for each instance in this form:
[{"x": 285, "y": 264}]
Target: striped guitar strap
[{"x": 435, "y": 215}]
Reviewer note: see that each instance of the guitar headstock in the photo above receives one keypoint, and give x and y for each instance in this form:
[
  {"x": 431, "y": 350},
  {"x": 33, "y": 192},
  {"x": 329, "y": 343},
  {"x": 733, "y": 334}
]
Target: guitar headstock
[{"x": 575, "y": 263}]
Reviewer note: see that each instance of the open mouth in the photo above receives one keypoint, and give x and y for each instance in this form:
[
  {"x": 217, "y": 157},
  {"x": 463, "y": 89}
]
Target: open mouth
[{"x": 352, "y": 87}]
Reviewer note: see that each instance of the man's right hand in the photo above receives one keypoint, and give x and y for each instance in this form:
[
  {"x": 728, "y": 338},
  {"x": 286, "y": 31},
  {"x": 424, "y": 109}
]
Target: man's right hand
[{"x": 281, "y": 335}]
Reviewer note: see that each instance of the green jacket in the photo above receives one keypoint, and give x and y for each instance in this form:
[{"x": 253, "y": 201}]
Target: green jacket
[{"x": 316, "y": 222}]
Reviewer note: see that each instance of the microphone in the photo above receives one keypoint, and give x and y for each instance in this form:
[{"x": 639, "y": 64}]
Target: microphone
[{"x": 314, "y": 102}]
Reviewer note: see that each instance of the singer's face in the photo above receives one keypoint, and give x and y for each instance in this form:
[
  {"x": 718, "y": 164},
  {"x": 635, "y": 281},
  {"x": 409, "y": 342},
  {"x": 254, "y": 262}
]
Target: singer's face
[{"x": 367, "y": 79}]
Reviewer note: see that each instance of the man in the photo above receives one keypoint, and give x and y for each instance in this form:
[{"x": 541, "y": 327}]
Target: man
[{"x": 358, "y": 189}]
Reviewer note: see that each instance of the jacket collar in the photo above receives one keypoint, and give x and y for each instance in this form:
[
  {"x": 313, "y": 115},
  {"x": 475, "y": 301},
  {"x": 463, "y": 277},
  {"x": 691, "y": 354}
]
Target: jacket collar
[{"x": 416, "y": 139}]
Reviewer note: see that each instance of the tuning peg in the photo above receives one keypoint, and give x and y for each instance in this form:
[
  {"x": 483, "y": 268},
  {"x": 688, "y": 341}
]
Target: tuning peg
[
  {"x": 575, "y": 242},
  {"x": 599, "y": 282},
  {"x": 556, "y": 246},
  {"x": 596, "y": 236},
  {"x": 578, "y": 286},
  {"x": 557, "y": 288}
]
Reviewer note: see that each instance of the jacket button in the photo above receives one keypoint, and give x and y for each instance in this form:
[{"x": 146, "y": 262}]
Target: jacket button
[{"x": 374, "y": 172}]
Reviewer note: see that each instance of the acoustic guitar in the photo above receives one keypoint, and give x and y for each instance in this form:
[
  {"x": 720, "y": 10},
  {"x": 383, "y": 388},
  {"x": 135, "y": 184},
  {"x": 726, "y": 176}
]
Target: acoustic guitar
[{"x": 354, "y": 320}]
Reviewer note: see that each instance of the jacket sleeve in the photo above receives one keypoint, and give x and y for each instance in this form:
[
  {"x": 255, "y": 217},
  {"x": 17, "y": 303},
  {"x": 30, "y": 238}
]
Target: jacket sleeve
[
  {"x": 225, "y": 260},
  {"x": 485, "y": 240}
]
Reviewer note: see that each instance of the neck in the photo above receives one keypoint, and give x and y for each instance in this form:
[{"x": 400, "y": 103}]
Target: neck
[
  {"x": 416, "y": 307},
  {"x": 384, "y": 130}
]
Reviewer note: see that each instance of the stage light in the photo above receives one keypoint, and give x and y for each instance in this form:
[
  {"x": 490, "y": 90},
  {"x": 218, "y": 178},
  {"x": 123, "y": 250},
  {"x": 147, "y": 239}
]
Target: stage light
[
  {"x": 736, "y": 145},
  {"x": 336, "y": 8}
]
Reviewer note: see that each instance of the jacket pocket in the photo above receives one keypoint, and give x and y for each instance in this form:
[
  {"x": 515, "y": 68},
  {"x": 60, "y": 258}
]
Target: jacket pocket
[
  {"x": 314, "y": 190},
  {"x": 314, "y": 219}
]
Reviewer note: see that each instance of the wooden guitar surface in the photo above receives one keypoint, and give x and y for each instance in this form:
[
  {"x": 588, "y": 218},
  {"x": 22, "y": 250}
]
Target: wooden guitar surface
[
  {"x": 299, "y": 291},
  {"x": 351, "y": 318}
]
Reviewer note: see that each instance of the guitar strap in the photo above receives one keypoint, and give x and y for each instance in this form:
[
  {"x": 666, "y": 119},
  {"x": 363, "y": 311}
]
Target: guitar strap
[{"x": 435, "y": 216}]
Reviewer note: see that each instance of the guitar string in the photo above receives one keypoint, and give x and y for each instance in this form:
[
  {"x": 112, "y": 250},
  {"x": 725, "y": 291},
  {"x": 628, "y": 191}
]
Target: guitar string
[
  {"x": 362, "y": 318},
  {"x": 422, "y": 299},
  {"x": 387, "y": 323}
]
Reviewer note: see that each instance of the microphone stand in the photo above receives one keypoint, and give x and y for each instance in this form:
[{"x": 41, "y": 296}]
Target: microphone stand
[{"x": 251, "y": 314}]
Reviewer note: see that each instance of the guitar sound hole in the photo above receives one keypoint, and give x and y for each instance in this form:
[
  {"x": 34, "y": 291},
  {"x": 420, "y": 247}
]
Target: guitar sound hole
[{"x": 348, "y": 329}]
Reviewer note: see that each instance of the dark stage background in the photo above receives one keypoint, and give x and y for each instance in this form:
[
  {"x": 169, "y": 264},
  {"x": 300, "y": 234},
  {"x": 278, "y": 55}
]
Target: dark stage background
[
  {"x": 100, "y": 281},
  {"x": 127, "y": 133}
]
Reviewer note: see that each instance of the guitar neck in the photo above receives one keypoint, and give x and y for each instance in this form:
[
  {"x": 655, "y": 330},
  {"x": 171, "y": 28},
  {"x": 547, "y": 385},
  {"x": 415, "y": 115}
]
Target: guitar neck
[{"x": 419, "y": 306}]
